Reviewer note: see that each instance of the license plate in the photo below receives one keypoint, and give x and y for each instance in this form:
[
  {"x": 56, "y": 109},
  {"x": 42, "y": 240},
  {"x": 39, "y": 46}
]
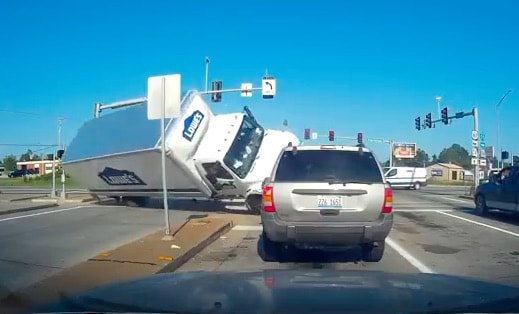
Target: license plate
[{"x": 329, "y": 201}]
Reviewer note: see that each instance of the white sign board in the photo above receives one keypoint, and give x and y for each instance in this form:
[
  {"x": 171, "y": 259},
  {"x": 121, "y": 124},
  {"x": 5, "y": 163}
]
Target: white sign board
[
  {"x": 246, "y": 90},
  {"x": 473, "y": 161},
  {"x": 475, "y": 145},
  {"x": 482, "y": 162},
  {"x": 268, "y": 88},
  {"x": 163, "y": 91},
  {"x": 314, "y": 135}
]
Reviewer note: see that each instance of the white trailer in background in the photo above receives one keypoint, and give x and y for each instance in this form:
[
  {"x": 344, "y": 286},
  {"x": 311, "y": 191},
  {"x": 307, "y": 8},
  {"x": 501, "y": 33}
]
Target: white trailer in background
[{"x": 209, "y": 156}]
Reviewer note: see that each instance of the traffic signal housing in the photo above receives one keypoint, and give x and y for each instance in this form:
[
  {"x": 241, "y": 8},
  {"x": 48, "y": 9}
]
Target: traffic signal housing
[
  {"x": 417, "y": 124},
  {"x": 216, "y": 86},
  {"x": 307, "y": 134},
  {"x": 359, "y": 138},
  {"x": 331, "y": 136},
  {"x": 428, "y": 120},
  {"x": 60, "y": 153},
  {"x": 445, "y": 116}
]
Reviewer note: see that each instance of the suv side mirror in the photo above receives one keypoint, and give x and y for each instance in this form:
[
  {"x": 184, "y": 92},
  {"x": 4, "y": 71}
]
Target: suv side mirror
[
  {"x": 265, "y": 182},
  {"x": 496, "y": 178}
]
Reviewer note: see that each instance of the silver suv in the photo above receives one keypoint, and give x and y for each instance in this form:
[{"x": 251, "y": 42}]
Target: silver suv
[{"x": 326, "y": 197}]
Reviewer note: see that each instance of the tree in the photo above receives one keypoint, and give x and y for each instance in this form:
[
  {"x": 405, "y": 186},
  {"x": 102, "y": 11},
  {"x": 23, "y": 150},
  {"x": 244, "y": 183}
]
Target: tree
[
  {"x": 455, "y": 154},
  {"x": 434, "y": 159},
  {"x": 29, "y": 155},
  {"x": 9, "y": 162}
]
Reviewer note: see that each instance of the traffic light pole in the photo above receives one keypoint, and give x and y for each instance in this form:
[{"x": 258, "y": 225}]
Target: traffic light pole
[
  {"x": 476, "y": 131},
  {"x": 476, "y": 149}
]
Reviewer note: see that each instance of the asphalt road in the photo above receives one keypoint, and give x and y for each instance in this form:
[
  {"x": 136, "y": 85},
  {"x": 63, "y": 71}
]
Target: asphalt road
[
  {"x": 435, "y": 231},
  {"x": 40, "y": 243}
]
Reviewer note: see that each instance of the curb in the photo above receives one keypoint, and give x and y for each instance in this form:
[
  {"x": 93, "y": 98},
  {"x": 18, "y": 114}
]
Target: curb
[
  {"x": 79, "y": 201},
  {"x": 189, "y": 254},
  {"x": 26, "y": 209},
  {"x": 23, "y": 198},
  {"x": 467, "y": 197}
]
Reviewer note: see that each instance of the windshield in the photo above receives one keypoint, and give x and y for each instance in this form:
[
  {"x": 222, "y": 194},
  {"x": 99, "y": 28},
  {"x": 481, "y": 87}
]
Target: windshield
[
  {"x": 244, "y": 149},
  {"x": 319, "y": 165}
]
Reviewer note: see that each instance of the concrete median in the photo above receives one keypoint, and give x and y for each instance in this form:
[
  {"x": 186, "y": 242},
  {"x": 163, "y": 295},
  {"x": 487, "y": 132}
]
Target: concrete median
[
  {"x": 18, "y": 207},
  {"x": 141, "y": 258}
]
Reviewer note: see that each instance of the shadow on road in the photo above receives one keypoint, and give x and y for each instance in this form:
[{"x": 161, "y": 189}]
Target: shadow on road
[
  {"x": 213, "y": 206},
  {"x": 292, "y": 254},
  {"x": 495, "y": 215}
]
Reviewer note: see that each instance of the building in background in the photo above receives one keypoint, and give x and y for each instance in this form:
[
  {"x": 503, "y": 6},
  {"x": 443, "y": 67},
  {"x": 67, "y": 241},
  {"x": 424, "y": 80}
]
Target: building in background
[
  {"x": 445, "y": 172},
  {"x": 39, "y": 166}
]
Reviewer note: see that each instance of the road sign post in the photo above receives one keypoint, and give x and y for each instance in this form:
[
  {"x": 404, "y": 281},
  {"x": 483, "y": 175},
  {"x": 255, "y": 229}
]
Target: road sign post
[{"x": 164, "y": 102}]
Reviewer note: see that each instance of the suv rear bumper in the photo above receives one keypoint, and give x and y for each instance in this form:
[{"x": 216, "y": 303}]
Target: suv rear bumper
[{"x": 337, "y": 234}]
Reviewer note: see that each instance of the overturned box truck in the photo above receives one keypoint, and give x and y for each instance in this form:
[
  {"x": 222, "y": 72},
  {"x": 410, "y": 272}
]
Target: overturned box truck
[{"x": 211, "y": 156}]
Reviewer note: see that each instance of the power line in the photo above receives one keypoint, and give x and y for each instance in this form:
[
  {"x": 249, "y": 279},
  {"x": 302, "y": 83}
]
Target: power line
[
  {"x": 36, "y": 145},
  {"x": 28, "y": 113}
]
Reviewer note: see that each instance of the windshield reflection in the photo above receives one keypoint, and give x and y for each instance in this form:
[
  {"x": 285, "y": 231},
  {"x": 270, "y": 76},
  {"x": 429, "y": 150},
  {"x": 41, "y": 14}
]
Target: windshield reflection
[{"x": 244, "y": 149}]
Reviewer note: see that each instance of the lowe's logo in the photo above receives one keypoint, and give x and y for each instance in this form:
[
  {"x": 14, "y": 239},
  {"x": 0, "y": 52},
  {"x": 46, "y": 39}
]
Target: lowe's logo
[
  {"x": 114, "y": 176},
  {"x": 191, "y": 124}
]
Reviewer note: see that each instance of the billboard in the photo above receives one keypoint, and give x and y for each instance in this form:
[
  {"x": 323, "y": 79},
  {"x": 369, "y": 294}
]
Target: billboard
[{"x": 404, "y": 150}]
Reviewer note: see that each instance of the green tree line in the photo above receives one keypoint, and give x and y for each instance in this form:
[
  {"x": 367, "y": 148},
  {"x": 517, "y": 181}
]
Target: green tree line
[
  {"x": 455, "y": 154},
  {"x": 9, "y": 161}
]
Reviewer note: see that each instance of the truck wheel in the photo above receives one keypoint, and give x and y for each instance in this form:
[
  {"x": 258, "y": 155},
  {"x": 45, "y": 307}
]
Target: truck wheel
[
  {"x": 373, "y": 252},
  {"x": 254, "y": 204},
  {"x": 417, "y": 186},
  {"x": 481, "y": 205},
  {"x": 268, "y": 250}
]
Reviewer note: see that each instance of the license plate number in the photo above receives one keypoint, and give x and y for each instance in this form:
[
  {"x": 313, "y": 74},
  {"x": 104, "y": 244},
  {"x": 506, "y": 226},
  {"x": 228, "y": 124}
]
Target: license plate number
[{"x": 327, "y": 201}]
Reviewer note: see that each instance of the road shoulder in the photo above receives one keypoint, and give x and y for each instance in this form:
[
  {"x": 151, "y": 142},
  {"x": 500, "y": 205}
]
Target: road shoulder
[{"x": 140, "y": 258}]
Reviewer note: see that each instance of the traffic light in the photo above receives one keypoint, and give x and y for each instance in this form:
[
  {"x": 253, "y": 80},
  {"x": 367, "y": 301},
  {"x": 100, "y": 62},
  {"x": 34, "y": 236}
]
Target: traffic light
[
  {"x": 60, "y": 153},
  {"x": 216, "y": 86},
  {"x": 505, "y": 155},
  {"x": 331, "y": 136},
  {"x": 445, "y": 116},
  {"x": 417, "y": 124},
  {"x": 307, "y": 134},
  {"x": 428, "y": 120},
  {"x": 359, "y": 138}
]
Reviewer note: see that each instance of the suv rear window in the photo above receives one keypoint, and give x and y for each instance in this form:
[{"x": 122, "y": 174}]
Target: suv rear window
[{"x": 324, "y": 165}]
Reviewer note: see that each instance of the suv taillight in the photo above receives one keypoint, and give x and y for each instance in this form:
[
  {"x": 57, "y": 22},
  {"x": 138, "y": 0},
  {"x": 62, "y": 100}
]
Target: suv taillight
[
  {"x": 388, "y": 201},
  {"x": 268, "y": 199}
]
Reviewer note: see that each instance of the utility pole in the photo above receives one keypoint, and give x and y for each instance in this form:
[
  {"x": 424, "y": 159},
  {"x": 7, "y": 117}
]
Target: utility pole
[
  {"x": 206, "y": 73},
  {"x": 53, "y": 192},
  {"x": 498, "y": 148},
  {"x": 438, "y": 101},
  {"x": 391, "y": 153}
]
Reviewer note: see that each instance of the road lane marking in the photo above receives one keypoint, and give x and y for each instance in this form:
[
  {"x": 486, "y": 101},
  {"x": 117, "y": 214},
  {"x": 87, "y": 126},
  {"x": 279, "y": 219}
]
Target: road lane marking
[
  {"x": 408, "y": 257},
  {"x": 421, "y": 210},
  {"x": 400, "y": 250},
  {"x": 247, "y": 228},
  {"x": 42, "y": 213},
  {"x": 480, "y": 224},
  {"x": 457, "y": 200}
]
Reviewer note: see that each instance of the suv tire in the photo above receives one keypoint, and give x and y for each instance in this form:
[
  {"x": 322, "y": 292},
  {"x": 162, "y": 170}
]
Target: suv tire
[
  {"x": 268, "y": 250},
  {"x": 373, "y": 252},
  {"x": 481, "y": 205}
]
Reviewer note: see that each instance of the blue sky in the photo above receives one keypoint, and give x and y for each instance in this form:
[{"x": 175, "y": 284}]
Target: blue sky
[{"x": 349, "y": 66}]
